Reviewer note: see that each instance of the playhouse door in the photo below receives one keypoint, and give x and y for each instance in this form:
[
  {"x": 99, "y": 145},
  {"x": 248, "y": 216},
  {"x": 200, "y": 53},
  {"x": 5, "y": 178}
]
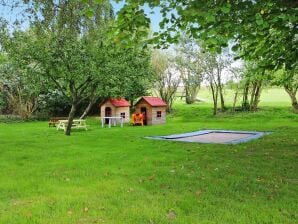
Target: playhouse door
[
  {"x": 144, "y": 112},
  {"x": 108, "y": 113}
]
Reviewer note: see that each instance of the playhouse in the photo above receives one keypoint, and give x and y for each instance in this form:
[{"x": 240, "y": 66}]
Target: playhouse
[
  {"x": 153, "y": 109},
  {"x": 118, "y": 107}
]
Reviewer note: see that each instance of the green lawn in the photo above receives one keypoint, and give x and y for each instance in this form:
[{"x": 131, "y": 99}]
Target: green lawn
[
  {"x": 116, "y": 176},
  {"x": 269, "y": 96}
]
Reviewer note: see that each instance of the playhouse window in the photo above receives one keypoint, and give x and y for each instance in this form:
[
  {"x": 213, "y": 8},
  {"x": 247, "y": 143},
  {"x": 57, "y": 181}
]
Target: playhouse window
[
  {"x": 158, "y": 114},
  {"x": 122, "y": 115}
]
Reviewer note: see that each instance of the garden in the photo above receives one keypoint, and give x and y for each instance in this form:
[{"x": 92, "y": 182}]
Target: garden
[{"x": 70, "y": 70}]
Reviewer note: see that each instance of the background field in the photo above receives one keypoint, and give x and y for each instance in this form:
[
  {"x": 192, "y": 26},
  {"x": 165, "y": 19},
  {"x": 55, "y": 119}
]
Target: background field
[
  {"x": 269, "y": 96},
  {"x": 116, "y": 176}
]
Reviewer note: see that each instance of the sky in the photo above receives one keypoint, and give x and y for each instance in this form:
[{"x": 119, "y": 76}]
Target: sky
[{"x": 11, "y": 15}]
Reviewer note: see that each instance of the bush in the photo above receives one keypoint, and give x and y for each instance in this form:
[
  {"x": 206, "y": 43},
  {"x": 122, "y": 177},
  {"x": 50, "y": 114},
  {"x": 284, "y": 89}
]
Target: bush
[
  {"x": 53, "y": 103},
  {"x": 9, "y": 118},
  {"x": 3, "y": 103}
]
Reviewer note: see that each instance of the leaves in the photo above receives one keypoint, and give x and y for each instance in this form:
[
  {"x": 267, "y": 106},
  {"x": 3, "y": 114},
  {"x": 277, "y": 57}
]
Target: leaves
[
  {"x": 226, "y": 8},
  {"x": 210, "y": 17},
  {"x": 89, "y": 13},
  {"x": 259, "y": 19},
  {"x": 245, "y": 22}
]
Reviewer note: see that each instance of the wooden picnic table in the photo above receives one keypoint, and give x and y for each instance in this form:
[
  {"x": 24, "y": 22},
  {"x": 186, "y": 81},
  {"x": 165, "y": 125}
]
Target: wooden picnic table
[
  {"x": 76, "y": 123},
  {"x": 111, "y": 120},
  {"x": 53, "y": 121}
]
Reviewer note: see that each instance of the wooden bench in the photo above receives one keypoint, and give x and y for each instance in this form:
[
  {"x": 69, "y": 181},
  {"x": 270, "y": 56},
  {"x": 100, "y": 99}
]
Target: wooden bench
[
  {"x": 55, "y": 120},
  {"x": 76, "y": 124}
]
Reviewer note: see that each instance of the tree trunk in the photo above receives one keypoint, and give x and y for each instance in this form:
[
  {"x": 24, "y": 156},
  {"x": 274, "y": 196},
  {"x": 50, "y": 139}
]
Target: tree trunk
[
  {"x": 245, "y": 103},
  {"x": 169, "y": 103},
  {"x": 215, "y": 103},
  {"x": 193, "y": 92},
  {"x": 70, "y": 119},
  {"x": 292, "y": 94},
  {"x": 182, "y": 94},
  {"x": 86, "y": 111},
  {"x": 235, "y": 101},
  {"x": 220, "y": 89},
  {"x": 254, "y": 86},
  {"x": 214, "y": 91},
  {"x": 222, "y": 101},
  {"x": 256, "y": 98},
  {"x": 187, "y": 95}
]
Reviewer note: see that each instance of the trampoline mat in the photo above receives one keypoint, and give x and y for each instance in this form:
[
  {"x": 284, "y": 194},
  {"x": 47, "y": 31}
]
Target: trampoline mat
[{"x": 214, "y": 136}]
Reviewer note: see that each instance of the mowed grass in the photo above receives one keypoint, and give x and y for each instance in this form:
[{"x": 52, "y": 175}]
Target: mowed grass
[
  {"x": 269, "y": 96},
  {"x": 116, "y": 176}
]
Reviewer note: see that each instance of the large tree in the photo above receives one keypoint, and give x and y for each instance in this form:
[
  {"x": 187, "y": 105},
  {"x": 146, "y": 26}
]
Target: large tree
[
  {"x": 20, "y": 90},
  {"x": 167, "y": 79},
  {"x": 190, "y": 70},
  {"x": 215, "y": 66},
  {"x": 253, "y": 80},
  {"x": 135, "y": 76},
  {"x": 63, "y": 42}
]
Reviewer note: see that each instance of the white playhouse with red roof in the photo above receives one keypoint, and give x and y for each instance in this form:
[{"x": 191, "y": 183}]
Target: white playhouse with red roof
[
  {"x": 153, "y": 109},
  {"x": 118, "y": 107}
]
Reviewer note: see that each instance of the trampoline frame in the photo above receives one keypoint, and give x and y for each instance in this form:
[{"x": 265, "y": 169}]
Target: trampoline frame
[{"x": 255, "y": 135}]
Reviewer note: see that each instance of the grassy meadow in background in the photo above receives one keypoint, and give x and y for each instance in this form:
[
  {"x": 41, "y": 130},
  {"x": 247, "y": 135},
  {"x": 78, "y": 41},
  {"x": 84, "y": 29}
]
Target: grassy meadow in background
[
  {"x": 269, "y": 97},
  {"x": 116, "y": 176}
]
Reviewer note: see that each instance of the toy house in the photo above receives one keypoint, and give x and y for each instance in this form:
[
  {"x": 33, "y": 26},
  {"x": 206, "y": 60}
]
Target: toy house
[
  {"x": 118, "y": 107},
  {"x": 153, "y": 109}
]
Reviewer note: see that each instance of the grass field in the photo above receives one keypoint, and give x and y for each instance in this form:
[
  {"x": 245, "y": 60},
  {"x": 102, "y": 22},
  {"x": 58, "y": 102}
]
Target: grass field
[
  {"x": 269, "y": 96},
  {"x": 116, "y": 176}
]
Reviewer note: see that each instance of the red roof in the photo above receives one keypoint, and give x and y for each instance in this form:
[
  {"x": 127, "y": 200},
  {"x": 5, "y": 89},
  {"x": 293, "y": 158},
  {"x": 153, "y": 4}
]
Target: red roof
[
  {"x": 120, "y": 102},
  {"x": 154, "y": 101}
]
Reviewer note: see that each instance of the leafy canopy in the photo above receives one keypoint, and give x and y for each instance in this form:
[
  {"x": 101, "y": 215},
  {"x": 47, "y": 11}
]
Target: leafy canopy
[{"x": 260, "y": 30}]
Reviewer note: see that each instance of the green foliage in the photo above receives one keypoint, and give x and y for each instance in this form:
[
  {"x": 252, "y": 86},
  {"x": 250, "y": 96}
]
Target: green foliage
[
  {"x": 285, "y": 78},
  {"x": 20, "y": 89},
  {"x": 132, "y": 26},
  {"x": 187, "y": 63},
  {"x": 167, "y": 81},
  {"x": 138, "y": 77},
  {"x": 53, "y": 103},
  {"x": 3, "y": 102},
  {"x": 252, "y": 78},
  {"x": 71, "y": 50},
  {"x": 9, "y": 118},
  {"x": 129, "y": 72},
  {"x": 66, "y": 46},
  {"x": 261, "y": 30},
  {"x": 214, "y": 65},
  {"x": 289, "y": 80}
]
